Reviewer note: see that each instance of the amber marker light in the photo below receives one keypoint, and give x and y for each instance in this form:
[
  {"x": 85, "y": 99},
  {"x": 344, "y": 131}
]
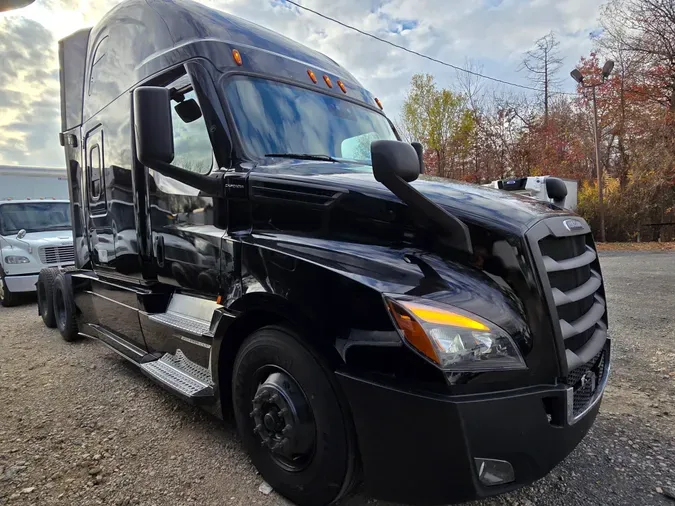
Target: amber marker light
[{"x": 237, "y": 57}]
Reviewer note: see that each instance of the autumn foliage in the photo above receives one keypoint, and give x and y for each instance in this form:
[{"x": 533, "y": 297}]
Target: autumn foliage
[{"x": 480, "y": 135}]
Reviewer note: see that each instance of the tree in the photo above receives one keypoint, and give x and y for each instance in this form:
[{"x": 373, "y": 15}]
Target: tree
[
  {"x": 646, "y": 30},
  {"x": 543, "y": 64},
  {"x": 440, "y": 119}
]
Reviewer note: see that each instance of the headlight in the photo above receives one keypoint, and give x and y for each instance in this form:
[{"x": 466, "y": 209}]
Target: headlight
[
  {"x": 14, "y": 259},
  {"x": 455, "y": 340}
]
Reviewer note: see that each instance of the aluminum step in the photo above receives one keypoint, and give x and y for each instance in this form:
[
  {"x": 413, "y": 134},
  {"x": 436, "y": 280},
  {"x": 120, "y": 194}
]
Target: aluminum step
[
  {"x": 178, "y": 321},
  {"x": 181, "y": 375}
]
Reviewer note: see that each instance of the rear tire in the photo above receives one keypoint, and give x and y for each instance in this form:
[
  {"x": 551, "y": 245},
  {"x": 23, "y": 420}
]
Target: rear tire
[
  {"x": 302, "y": 442},
  {"x": 45, "y": 296},
  {"x": 7, "y": 298},
  {"x": 64, "y": 308}
]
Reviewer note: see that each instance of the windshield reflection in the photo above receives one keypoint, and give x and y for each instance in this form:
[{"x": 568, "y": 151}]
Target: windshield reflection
[{"x": 275, "y": 118}]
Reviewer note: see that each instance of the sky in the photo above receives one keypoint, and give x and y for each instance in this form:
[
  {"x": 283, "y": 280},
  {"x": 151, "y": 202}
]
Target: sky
[{"x": 493, "y": 34}]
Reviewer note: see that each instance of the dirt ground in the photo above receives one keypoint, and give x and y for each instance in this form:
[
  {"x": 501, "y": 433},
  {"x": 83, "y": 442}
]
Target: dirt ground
[{"x": 80, "y": 426}]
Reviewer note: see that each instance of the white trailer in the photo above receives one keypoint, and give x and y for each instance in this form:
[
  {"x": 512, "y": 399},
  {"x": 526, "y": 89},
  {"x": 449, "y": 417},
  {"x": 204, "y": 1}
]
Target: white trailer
[
  {"x": 35, "y": 227},
  {"x": 535, "y": 187}
]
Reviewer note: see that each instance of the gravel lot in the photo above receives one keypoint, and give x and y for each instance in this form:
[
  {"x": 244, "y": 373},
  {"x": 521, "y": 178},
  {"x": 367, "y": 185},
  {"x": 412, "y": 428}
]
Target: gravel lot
[{"x": 80, "y": 426}]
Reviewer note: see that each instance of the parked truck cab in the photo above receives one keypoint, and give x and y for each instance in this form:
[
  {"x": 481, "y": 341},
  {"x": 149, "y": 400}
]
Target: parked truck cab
[
  {"x": 252, "y": 234},
  {"x": 35, "y": 227}
]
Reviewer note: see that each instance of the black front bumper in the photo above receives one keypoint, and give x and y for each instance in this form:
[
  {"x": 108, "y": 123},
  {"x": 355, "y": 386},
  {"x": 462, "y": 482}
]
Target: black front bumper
[{"x": 420, "y": 449}]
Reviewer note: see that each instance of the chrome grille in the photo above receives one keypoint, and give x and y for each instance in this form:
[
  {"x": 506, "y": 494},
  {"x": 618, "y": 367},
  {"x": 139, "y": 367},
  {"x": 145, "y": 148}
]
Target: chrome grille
[{"x": 58, "y": 255}]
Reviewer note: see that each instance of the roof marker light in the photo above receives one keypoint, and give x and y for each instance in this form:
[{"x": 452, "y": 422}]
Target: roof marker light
[
  {"x": 342, "y": 86},
  {"x": 312, "y": 76},
  {"x": 327, "y": 80},
  {"x": 379, "y": 104},
  {"x": 237, "y": 57}
]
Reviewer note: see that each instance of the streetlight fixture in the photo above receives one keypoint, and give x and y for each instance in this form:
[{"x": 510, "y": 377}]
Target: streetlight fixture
[{"x": 579, "y": 78}]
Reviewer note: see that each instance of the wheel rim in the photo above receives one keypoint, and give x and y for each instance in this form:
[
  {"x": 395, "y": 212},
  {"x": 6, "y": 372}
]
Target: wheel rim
[
  {"x": 2, "y": 288},
  {"x": 283, "y": 419},
  {"x": 60, "y": 308}
]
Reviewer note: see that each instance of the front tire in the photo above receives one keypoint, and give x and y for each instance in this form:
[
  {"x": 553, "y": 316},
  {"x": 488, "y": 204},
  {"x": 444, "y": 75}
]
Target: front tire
[
  {"x": 64, "y": 308},
  {"x": 45, "y": 295},
  {"x": 7, "y": 298},
  {"x": 290, "y": 418}
]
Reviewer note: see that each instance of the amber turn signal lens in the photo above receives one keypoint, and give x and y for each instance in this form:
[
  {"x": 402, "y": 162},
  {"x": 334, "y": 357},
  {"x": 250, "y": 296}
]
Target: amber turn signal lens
[
  {"x": 237, "y": 57},
  {"x": 432, "y": 315},
  {"x": 342, "y": 86},
  {"x": 327, "y": 80},
  {"x": 413, "y": 331},
  {"x": 312, "y": 76},
  {"x": 379, "y": 104}
]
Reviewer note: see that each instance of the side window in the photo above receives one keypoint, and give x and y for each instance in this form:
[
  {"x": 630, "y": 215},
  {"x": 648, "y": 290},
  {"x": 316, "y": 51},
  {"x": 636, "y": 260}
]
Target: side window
[
  {"x": 192, "y": 146},
  {"x": 99, "y": 53},
  {"x": 95, "y": 178},
  {"x": 358, "y": 148}
]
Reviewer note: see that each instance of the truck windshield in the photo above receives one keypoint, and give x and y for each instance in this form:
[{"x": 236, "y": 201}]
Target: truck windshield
[
  {"x": 278, "y": 119},
  {"x": 34, "y": 217}
]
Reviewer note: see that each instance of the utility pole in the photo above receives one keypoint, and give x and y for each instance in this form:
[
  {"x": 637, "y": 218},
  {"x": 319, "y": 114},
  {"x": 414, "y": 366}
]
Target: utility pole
[{"x": 579, "y": 78}]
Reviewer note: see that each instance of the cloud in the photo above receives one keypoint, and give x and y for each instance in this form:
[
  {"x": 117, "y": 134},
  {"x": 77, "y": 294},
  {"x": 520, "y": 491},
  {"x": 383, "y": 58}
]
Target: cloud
[
  {"x": 29, "y": 106},
  {"x": 494, "y": 33}
]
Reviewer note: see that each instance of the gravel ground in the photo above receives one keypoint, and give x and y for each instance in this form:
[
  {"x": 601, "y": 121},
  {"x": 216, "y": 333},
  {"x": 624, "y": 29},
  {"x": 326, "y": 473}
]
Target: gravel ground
[{"x": 80, "y": 426}]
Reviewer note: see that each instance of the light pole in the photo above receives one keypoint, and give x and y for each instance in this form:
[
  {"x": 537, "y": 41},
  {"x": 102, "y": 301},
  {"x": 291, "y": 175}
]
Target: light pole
[{"x": 579, "y": 78}]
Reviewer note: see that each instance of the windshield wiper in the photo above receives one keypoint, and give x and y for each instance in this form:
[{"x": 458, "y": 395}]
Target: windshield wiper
[{"x": 303, "y": 156}]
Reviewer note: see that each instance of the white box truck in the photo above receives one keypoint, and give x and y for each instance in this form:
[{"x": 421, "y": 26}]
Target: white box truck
[{"x": 35, "y": 227}]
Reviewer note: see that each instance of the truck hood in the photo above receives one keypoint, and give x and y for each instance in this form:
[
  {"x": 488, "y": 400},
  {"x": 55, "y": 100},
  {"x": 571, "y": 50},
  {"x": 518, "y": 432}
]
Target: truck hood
[
  {"x": 39, "y": 239},
  {"x": 486, "y": 207}
]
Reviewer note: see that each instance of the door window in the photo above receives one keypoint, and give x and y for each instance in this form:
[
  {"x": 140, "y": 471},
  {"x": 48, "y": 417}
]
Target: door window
[
  {"x": 95, "y": 178},
  {"x": 192, "y": 146}
]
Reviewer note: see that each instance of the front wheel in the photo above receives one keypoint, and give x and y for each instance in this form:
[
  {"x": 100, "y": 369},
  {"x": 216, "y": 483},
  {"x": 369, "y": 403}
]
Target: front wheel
[
  {"x": 7, "y": 298},
  {"x": 290, "y": 418}
]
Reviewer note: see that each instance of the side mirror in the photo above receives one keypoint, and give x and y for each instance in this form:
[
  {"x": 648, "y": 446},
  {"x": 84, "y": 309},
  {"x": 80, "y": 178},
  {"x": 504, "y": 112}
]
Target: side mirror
[
  {"x": 395, "y": 164},
  {"x": 556, "y": 190},
  {"x": 420, "y": 154},
  {"x": 188, "y": 110},
  {"x": 153, "y": 130},
  {"x": 21, "y": 234},
  {"x": 394, "y": 158},
  {"x": 153, "y": 125}
]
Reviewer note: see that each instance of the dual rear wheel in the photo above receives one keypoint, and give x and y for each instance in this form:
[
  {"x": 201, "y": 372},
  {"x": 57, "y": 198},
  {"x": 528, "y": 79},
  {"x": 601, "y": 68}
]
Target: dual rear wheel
[{"x": 56, "y": 304}]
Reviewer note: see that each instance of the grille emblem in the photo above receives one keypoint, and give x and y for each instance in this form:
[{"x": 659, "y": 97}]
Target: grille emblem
[
  {"x": 573, "y": 225},
  {"x": 591, "y": 378}
]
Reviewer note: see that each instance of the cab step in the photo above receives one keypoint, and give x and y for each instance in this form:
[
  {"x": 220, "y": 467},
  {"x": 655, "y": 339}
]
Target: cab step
[
  {"x": 180, "y": 375},
  {"x": 194, "y": 326}
]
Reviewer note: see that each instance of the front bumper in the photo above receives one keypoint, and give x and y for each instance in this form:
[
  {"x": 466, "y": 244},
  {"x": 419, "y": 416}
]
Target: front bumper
[
  {"x": 420, "y": 449},
  {"x": 21, "y": 283}
]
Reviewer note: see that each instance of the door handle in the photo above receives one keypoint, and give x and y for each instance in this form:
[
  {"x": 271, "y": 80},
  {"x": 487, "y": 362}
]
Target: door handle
[{"x": 159, "y": 250}]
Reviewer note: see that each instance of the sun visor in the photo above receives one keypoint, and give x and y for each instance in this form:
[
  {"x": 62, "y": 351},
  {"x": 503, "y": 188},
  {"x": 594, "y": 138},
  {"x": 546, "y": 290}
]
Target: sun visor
[{"x": 72, "y": 59}]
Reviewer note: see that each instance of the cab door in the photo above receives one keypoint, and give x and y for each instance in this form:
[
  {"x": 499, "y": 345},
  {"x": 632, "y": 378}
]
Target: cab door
[
  {"x": 185, "y": 240},
  {"x": 99, "y": 230}
]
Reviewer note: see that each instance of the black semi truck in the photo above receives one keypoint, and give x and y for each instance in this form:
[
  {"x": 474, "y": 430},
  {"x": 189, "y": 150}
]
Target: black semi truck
[{"x": 251, "y": 233}]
